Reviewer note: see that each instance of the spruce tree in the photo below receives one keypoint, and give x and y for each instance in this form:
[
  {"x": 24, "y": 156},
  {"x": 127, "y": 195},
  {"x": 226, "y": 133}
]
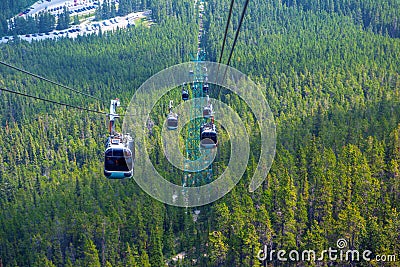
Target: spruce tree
[{"x": 91, "y": 255}]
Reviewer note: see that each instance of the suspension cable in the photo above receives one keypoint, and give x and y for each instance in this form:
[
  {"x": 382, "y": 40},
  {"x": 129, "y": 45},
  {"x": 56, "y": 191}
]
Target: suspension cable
[
  {"x": 237, "y": 31},
  {"x": 64, "y": 104},
  {"x": 47, "y": 80},
  {"x": 52, "y": 101},
  {"x": 226, "y": 30},
  {"x": 236, "y": 36}
]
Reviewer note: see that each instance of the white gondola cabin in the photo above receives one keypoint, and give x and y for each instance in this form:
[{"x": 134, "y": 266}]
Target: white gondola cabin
[
  {"x": 119, "y": 154},
  {"x": 172, "y": 118}
]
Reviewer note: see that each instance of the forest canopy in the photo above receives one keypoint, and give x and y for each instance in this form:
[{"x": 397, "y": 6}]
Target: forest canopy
[{"x": 330, "y": 73}]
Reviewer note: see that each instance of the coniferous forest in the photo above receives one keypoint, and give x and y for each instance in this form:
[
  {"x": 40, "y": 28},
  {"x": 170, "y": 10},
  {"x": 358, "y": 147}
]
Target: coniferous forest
[{"x": 330, "y": 71}]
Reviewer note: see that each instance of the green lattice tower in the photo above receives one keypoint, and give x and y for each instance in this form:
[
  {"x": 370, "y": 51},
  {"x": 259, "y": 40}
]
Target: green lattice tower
[{"x": 196, "y": 120}]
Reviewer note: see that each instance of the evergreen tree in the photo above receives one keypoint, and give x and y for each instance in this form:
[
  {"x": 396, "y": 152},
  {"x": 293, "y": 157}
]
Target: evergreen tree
[
  {"x": 46, "y": 22},
  {"x": 63, "y": 19},
  {"x": 144, "y": 259},
  {"x": 155, "y": 248},
  {"x": 91, "y": 255},
  {"x": 44, "y": 262},
  {"x": 99, "y": 13},
  {"x": 351, "y": 225},
  {"x": 113, "y": 10},
  {"x": 76, "y": 20},
  {"x": 218, "y": 249},
  {"x": 131, "y": 257},
  {"x": 57, "y": 257},
  {"x": 105, "y": 10},
  {"x": 122, "y": 8},
  {"x": 333, "y": 87}
]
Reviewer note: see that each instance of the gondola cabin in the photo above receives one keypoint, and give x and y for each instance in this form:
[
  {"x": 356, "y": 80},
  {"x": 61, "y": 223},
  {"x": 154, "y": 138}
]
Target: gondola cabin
[
  {"x": 119, "y": 157},
  {"x": 207, "y": 111},
  {"x": 172, "y": 121},
  {"x": 172, "y": 118},
  {"x": 208, "y": 136},
  {"x": 119, "y": 153},
  {"x": 185, "y": 95},
  {"x": 205, "y": 88}
]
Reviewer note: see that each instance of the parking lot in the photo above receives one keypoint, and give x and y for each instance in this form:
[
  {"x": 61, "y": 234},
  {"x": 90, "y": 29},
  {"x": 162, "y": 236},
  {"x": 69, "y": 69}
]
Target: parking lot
[
  {"x": 88, "y": 27},
  {"x": 55, "y": 7}
]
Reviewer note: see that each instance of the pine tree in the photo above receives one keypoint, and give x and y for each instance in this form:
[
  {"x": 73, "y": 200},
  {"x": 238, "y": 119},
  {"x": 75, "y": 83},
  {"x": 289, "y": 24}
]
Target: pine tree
[
  {"x": 263, "y": 226},
  {"x": 122, "y": 8},
  {"x": 322, "y": 169},
  {"x": 105, "y": 10},
  {"x": 57, "y": 257},
  {"x": 218, "y": 248},
  {"x": 113, "y": 10},
  {"x": 169, "y": 242},
  {"x": 314, "y": 238},
  {"x": 351, "y": 225},
  {"x": 63, "y": 20},
  {"x": 46, "y": 22},
  {"x": 68, "y": 263},
  {"x": 144, "y": 259},
  {"x": 155, "y": 248},
  {"x": 131, "y": 257},
  {"x": 223, "y": 218},
  {"x": 99, "y": 12},
  {"x": 287, "y": 198},
  {"x": 250, "y": 246},
  {"x": 76, "y": 20},
  {"x": 43, "y": 261},
  {"x": 91, "y": 255},
  {"x": 375, "y": 153}
]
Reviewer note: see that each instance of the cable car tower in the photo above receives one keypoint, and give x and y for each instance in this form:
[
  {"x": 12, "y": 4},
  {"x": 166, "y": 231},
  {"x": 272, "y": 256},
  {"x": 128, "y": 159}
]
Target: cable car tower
[
  {"x": 199, "y": 117},
  {"x": 200, "y": 78}
]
